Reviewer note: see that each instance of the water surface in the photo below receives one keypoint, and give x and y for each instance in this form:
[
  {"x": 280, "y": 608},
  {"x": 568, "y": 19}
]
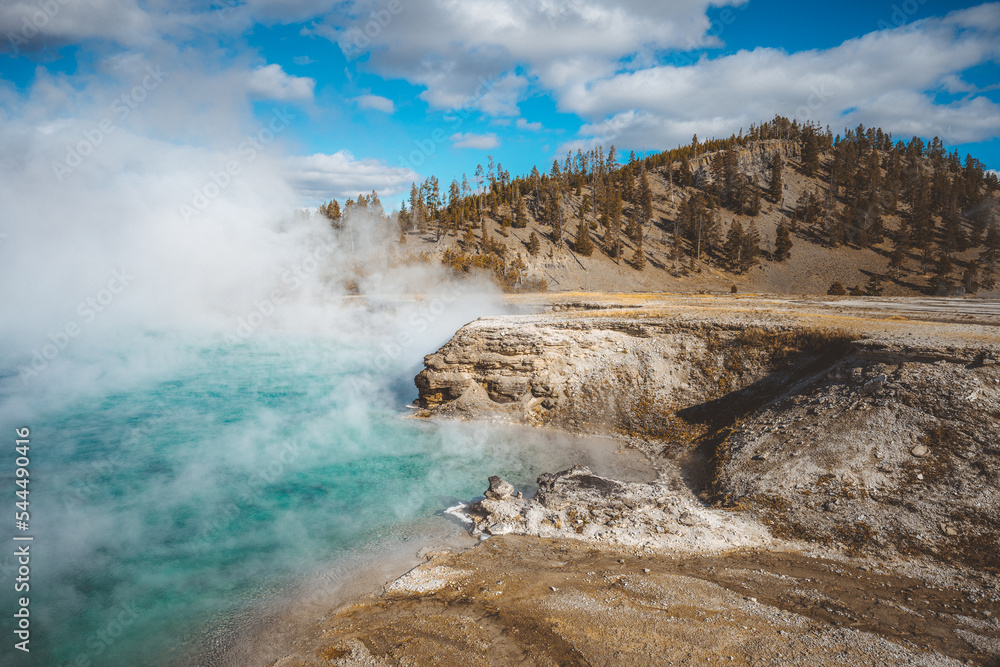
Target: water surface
[{"x": 200, "y": 479}]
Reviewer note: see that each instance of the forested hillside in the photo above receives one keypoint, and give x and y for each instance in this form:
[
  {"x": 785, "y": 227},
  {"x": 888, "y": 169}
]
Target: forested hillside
[{"x": 785, "y": 208}]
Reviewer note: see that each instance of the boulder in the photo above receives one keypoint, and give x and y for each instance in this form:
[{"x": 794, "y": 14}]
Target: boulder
[{"x": 500, "y": 489}]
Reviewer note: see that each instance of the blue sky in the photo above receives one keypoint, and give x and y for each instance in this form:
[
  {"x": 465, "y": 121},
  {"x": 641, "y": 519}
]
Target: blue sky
[{"x": 376, "y": 93}]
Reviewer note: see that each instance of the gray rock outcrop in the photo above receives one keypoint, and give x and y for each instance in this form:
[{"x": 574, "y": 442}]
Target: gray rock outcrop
[{"x": 866, "y": 437}]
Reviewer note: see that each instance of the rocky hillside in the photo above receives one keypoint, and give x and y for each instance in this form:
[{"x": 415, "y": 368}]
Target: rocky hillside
[{"x": 784, "y": 208}]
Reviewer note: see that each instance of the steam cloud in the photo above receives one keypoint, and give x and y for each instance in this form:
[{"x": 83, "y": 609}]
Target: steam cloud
[
  {"x": 146, "y": 196},
  {"x": 146, "y": 214}
]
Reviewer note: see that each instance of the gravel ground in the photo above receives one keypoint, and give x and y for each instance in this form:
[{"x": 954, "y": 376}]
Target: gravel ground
[{"x": 518, "y": 600}]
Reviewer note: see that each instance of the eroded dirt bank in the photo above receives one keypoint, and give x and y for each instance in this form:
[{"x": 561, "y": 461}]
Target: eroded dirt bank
[{"x": 828, "y": 492}]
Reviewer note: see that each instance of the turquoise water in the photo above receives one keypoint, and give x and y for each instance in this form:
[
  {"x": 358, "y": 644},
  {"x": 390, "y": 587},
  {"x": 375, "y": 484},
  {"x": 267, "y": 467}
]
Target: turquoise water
[{"x": 194, "y": 479}]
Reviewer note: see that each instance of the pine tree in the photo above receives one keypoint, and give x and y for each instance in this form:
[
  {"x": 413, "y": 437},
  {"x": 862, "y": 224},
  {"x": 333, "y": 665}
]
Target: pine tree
[
  {"x": 728, "y": 182},
  {"x": 952, "y": 236},
  {"x": 520, "y": 214},
  {"x": 775, "y": 187},
  {"x": 534, "y": 245},
  {"x": 874, "y": 285},
  {"x": 485, "y": 241},
  {"x": 627, "y": 185},
  {"x": 404, "y": 219},
  {"x": 793, "y": 222},
  {"x": 685, "y": 176},
  {"x": 741, "y": 247},
  {"x": 417, "y": 213},
  {"x": 942, "y": 273},
  {"x": 733, "y": 248},
  {"x": 553, "y": 214},
  {"x": 469, "y": 239},
  {"x": 897, "y": 261},
  {"x": 612, "y": 217},
  {"x": 970, "y": 278},
  {"x": 583, "y": 243},
  {"x": 834, "y": 225},
  {"x": 989, "y": 258},
  {"x": 753, "y": 208},
  {"x": 645, "y": 202},
  {"x": 331, "y": 211},
  {"x": 479, "y": 193},
  {"x": 837, "y": 289},
  {"x": 634, "y": 228},
  {"x": 810, "y": 151},
  {"x": 782, "y": 243},
  {"x": 699, "y": 224},
  {"x": 639, "y": 256}
]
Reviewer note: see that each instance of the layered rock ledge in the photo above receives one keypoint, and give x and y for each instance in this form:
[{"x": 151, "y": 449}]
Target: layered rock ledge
[{"x": 872, "y": 427}]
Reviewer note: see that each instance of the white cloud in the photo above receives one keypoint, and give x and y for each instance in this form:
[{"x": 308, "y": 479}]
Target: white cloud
[
  {"x": 376, "y": 102},
  {"x": 478, "y": 141},
  {"x": 910, "y": 114},
  {"x": 303, "y": 60},
  {"x": 38, "y": 24},
  {"x": 522, "y": 124},
  {"x": 603, "y": 61},
  {"x": 882, "y": 78},
  {"x": 270, "y": 82},
  {"x": 27, "y": 26},
  {"x": 455, "y": 49},
  {"x": 322, "y": 176}
]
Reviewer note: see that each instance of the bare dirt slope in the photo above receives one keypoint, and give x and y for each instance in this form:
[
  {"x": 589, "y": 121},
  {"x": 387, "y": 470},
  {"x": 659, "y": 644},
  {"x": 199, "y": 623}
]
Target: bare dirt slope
[{"x": 523, "y": 601}]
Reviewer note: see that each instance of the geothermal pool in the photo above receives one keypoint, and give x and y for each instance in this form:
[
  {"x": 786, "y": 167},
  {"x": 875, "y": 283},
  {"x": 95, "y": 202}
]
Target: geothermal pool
[{"x": 180, "y": 482}]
